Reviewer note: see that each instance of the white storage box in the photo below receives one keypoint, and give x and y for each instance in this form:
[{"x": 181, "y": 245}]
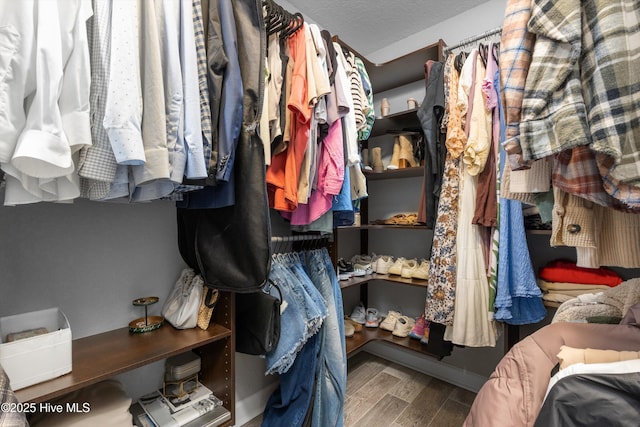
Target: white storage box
[{"x": 38, "y": 358}]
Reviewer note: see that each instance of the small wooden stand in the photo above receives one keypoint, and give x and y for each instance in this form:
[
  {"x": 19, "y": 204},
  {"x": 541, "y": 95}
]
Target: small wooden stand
[{"x": 146, "y": 323}]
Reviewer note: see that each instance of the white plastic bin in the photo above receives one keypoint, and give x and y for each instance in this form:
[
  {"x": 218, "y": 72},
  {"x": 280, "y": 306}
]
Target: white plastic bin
[{"x": 39, "y": 358}]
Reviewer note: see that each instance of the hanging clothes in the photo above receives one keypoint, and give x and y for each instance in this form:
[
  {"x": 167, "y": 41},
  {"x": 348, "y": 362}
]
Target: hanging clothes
[
  {"x": 97, "y": 163},
  {"x": 200, "y": 39},
  {"x": 430, "y": 114},
  {"x": 441, "y": 284},
  {"x": 471, "y": 324},
  {"x": 518, "y": 299},
  {"x": 311, "y": 354},
  {"x": 284, "y": 171},
  {"x": 45, "y": 114},
  {"x": 151, "y": 180}
]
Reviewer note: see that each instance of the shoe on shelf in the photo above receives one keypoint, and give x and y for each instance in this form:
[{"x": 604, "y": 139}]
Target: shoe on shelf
[
  {"x": 395, "y": 157},
  {"x": 362, "y": 263},
  {"x": 425, "y": 336},
  {"x": 358, "y": 272},
  {"x": 422, "y": 272},
  {"x": 396, "y": 268},
  {"x": 345, "y": 269},
  {"x": 418, "y": 330},
  {"x": 409, "y": 218},
  {"x": 364, "y": 153},
  {"x": 375, "y": 154},
  {"x": 404, "y": 325},
  {"x": 408, "y": 268},
  {"x": 374, "y": 262},
  {"x": 358, "y": 314},
  {"x": 373, "y": 318},
  {"x": 349, "y": 330},
  {"x": 383, "y": 264},
  {"x": 356, "y": 326},
  {"x": 389, "y": 322},
  {"x": 405, "y": 155}
]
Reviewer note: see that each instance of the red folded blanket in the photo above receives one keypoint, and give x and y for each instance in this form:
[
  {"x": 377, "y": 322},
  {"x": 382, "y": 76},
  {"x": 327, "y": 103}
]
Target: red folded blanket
[{"x": 562, "y": 270}]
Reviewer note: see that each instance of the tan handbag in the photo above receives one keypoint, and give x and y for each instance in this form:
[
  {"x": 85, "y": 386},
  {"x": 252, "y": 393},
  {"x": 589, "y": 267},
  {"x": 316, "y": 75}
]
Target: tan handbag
[{"x": 209, "y": 300}]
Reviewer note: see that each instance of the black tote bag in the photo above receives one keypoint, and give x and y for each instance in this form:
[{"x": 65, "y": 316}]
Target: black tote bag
[{"x": 231, "y": 246}]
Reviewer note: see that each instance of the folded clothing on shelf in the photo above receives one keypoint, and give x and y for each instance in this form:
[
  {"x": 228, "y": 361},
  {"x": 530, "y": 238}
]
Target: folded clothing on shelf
[{"x": 567, "y": 271}]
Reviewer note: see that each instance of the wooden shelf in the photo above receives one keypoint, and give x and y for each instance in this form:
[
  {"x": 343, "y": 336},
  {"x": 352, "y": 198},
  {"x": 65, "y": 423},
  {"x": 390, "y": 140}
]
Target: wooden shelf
[
  {"x": 367, "y": 335},
  {"x": 539, "y": 232},
  {"x": 402, "y": 122},
  {"x": 357, "y": 281},
  {"x": 399, "y": 71},
  {"x": 98, "y": 357},
  {"x": 382, "y": 227},
  {"x": 394, "y": 173}
]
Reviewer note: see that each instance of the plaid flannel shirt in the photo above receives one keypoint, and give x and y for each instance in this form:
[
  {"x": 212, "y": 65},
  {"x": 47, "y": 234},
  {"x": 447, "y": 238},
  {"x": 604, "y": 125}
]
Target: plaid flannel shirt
[
  {"x": 205, "y": 110},
  {"x": 516, "y": 45},
  {"x": 581, "y": 89}
]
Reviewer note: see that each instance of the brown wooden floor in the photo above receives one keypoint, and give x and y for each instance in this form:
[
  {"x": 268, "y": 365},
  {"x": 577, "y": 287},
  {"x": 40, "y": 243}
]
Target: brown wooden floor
[{"x": 383, "y": 394}]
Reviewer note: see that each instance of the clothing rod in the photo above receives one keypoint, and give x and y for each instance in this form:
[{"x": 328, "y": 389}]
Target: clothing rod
[
  {"x": 472, "y": 39},
  {"x": 297, "y": 238}
]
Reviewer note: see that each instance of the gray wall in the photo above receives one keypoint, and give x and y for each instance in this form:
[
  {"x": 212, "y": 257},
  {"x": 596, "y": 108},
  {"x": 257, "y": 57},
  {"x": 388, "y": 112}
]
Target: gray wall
[{"x": 92, "y": 259}]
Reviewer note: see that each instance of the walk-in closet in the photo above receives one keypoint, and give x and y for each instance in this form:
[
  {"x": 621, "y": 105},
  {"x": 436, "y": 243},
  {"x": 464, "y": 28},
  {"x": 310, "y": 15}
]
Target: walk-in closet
[{"x": 291, "y": 213}]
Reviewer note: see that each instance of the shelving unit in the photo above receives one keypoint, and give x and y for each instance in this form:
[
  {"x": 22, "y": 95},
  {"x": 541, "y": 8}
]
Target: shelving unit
[
  {"x": 396, "y": 73},
  {"x": 376, "y": 334},
  {"x": 397, "y": 173},
  {"x": 104, "y": 355},
  {"x": 400, "y": 71},
  {"x": 358, "y": 281},
  {"x": 382, "y": 226},
  {"x": 403, "y": 121}
]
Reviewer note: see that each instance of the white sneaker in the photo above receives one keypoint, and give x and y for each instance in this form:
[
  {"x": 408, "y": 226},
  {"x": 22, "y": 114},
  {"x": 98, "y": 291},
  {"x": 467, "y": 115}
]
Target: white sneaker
[
  {"x": 373, "y": 318},
  {"x": 361, "y": 265},
  {"x": 384, "y": 263},
  {"x": 358, "y": 314},
  {"x": 396, "y": 268},
  {"x": 403, "y": 326},
  {"x": 389, "y": 322},
  {"x": 422, "y": 272},
  {"x": 374, "y": 262},
  {"x": 408, "y": 267}
]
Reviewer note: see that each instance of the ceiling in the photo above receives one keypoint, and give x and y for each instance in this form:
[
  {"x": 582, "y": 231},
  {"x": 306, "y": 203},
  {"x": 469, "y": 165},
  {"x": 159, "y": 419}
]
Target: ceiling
[{"x": 368, "y": 26}]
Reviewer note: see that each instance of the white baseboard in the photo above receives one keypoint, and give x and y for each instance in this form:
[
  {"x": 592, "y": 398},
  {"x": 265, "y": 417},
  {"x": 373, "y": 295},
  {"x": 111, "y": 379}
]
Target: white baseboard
[
  {"x": 252, "y": 406},
  {"x": 428, "y": 365}
]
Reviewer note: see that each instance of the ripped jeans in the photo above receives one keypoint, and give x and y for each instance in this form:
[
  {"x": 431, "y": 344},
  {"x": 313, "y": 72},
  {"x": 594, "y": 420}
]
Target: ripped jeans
[{"x": 316, "y": 372}]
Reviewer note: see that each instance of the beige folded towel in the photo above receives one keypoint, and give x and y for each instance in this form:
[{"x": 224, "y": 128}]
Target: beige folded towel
[{"x": 561, "y": 286}]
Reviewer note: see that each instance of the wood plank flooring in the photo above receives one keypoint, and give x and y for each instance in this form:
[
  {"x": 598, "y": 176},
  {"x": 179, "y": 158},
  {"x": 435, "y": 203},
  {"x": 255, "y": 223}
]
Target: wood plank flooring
[{"x": 384, "y": 394}]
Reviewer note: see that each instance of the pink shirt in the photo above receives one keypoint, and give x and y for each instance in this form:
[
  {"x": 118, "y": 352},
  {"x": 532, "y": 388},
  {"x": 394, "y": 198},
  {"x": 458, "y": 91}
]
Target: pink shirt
[{"x": 330, "y": 178}]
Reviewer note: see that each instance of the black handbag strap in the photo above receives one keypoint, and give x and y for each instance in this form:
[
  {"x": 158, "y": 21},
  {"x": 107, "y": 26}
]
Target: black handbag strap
[
  {"x": 273, "y": 284},
  {"x": 211, "y": 299}
]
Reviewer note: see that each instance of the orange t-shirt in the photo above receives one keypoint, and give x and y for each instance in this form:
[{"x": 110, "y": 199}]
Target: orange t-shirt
[{"x": 284, "y": 172}]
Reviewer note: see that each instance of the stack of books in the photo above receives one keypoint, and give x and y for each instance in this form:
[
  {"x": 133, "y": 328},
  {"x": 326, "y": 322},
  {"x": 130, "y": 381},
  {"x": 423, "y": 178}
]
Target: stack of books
[{"x": 199, "y": 408}]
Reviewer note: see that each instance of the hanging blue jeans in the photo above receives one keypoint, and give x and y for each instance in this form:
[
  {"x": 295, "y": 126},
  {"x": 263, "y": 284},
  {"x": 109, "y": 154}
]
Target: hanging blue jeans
[
  {"x": 315, "y": 304},
  {"x": 288, "y": 404},
  {"x": 331, "y": 372},
  {"x": 296, "y": 356},
  {"x": 298, "y": 320}
]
